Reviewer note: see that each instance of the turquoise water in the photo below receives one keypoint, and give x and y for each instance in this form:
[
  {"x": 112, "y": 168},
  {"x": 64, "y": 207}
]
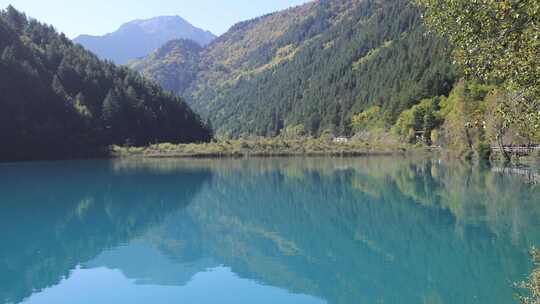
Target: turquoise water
[{"x": 358, "y": 230}]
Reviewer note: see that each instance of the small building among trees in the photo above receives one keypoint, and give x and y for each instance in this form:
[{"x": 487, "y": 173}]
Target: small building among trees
[{"x": 341, "y": 140}]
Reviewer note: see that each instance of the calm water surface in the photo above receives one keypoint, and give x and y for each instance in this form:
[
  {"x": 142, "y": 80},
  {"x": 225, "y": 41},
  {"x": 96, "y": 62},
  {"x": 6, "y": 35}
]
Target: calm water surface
[{"x": 359, "y": 230}]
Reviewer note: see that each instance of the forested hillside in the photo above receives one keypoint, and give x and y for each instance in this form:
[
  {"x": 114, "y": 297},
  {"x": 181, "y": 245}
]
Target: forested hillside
[
  {"x": 59, "y": 100},
  {"x": 175, "y": 65},
  {"x": 311, "y": 68}
]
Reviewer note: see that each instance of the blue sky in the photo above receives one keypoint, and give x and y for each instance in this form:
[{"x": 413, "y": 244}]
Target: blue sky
[{"x": 97, "y": 17}]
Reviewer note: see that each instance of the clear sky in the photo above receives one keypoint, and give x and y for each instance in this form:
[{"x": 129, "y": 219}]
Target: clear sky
[{"x": 98, "y": 17}]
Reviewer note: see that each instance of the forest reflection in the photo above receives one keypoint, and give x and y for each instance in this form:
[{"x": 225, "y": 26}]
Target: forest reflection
[{"x": 346, "y": 230}]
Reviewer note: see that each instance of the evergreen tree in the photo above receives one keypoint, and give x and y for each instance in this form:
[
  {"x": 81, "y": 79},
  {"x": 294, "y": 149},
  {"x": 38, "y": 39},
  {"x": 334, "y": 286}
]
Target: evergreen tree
[
  {"x": 58, "y": 87},
  {"x": 209, "y": 126},
  {"x": 8, "y": 54},
  {"x": 111, "y": 109}
]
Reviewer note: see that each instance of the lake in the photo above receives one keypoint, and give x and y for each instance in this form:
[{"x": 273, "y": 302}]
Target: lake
[{"x": 289, "y": 230}]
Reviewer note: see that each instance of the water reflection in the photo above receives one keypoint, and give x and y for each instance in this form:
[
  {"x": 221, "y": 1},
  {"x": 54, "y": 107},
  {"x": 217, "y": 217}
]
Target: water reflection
[
  {"x": 362, "y": 230},
  {"x": 54, "y": 216}
]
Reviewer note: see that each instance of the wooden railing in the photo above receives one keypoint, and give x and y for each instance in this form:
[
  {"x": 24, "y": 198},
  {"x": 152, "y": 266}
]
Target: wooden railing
[{"x": 518, "y": 150}]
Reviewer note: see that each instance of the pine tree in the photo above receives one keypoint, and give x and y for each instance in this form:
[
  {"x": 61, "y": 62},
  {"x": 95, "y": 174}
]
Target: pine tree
[
  {"x": 111, "y": 108},
  {"x": 8, "y": 54},
  {"x": 58, "y": 87},
  {"x": 208, "y": 125},
  {"x": 14, "y": 18}
]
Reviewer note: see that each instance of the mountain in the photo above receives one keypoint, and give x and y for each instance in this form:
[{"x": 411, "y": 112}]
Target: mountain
[
  {"x": 140, "y": 37},
  {"x": 310, "y": 67},
  {"x": 59, "y": 100}
]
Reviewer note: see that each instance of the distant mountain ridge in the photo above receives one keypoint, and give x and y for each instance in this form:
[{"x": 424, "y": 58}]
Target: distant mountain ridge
[{"x": 139, "y": 38}]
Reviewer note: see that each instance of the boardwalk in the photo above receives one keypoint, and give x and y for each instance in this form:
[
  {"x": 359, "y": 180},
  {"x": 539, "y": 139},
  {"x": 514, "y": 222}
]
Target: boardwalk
[{"x": 518, "y": 150}]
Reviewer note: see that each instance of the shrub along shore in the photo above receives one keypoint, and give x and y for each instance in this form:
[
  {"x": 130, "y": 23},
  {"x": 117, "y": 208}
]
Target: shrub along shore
[{"x": 268, "y": 147}]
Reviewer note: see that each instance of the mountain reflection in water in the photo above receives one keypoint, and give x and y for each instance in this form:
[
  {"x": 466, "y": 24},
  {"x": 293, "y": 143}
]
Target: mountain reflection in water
[{"x": 352, "y": 230}]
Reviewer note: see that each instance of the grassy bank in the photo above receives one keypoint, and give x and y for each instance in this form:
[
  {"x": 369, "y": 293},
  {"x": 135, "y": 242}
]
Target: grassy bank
[{"x": 265, "y": 147}]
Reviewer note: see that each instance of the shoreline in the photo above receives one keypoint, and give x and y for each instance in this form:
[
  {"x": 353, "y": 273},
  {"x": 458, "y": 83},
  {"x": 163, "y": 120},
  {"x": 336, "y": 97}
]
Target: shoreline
[
  {"x": 260, "y": 155},
  {"x": 271, "y": 148},
  {"x": 268, "y": 148}
]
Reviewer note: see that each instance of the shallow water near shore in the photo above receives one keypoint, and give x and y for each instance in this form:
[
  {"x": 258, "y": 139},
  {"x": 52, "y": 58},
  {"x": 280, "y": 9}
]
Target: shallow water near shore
[{"x": 287, "y": 230}]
